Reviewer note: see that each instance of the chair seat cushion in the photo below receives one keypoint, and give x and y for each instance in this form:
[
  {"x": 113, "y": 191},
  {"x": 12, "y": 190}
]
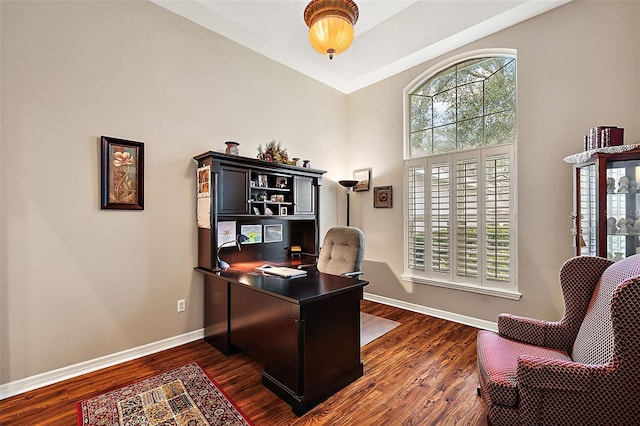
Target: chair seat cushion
[{"x": 498, "y": 361}]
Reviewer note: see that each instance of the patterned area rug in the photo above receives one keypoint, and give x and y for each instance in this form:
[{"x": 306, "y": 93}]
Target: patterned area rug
[
  {"x": 372, "y": 327},
  {"x": 184, "y": 396}
]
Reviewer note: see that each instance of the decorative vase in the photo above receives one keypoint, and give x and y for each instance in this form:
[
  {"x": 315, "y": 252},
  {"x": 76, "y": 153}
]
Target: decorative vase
[{"x": 232, "y": 148}]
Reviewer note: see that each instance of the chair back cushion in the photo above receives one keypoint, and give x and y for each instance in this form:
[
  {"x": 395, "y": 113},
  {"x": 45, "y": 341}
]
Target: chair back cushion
[
  {"x": 342, "y": 251},
  {"x": 594, "y": 343}
]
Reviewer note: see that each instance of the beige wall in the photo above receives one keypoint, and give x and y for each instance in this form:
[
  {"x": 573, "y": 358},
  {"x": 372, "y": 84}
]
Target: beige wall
[
  {"x": 79, "y": 283},
  {"x": 578, "y": 67}
]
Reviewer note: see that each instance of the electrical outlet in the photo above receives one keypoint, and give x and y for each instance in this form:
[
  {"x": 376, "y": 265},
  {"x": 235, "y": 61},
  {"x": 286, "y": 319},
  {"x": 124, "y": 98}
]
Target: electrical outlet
[{"x": 181, "y": 305}]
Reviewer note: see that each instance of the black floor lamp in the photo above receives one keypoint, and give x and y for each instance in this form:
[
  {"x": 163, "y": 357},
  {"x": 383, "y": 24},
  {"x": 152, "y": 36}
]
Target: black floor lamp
[{"x": 348, "y": 184}]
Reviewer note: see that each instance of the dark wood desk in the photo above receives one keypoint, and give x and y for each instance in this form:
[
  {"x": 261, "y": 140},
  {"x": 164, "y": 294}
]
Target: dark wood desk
[{"x": 305, "y": 331}]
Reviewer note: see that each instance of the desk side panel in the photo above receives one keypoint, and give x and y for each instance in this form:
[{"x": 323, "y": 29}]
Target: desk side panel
[
  {"x": 331, "y": 345},
  {"x": 216, "y": 313}
]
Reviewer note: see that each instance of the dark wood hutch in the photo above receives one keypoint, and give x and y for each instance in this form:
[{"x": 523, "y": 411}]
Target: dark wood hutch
[{"x": 255, "y": 192}]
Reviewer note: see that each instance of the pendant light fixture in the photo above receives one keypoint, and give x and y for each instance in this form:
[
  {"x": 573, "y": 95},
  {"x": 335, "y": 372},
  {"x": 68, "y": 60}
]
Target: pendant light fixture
[{"x": 330, "y": 25}]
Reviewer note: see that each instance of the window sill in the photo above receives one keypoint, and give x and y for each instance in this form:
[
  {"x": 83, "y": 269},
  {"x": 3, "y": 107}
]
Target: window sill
[{"x": 490, "y": 291}]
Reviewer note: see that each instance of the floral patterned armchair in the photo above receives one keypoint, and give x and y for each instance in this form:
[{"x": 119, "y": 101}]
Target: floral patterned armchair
[{"x": 583, "y": 369}]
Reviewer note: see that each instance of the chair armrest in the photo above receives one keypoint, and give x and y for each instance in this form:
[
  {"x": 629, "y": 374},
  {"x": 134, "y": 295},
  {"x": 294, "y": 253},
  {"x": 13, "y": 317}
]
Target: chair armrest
[
  {"x": 527, "y": 330},
  {"x": 551, "y": 334},
  {"x": 562, "y": 375}
]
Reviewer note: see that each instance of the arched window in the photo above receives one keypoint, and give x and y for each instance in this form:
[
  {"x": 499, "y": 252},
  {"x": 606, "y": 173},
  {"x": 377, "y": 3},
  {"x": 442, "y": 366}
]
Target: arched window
[
  {"x": 460, "y": 134},
  {"x": 469, "y": 105}
]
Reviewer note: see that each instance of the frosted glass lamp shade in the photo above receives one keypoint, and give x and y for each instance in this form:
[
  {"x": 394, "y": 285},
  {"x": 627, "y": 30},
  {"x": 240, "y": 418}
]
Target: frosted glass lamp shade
[
  {"x": 331, "y": 35},
  {"x": 330, "y": 25}
]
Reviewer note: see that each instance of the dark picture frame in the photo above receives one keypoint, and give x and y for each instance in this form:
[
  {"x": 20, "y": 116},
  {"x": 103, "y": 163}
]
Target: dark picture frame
[
  {"x": 383, "y": 197},
  {"x": 363, "y": 176},
  {"x": 122, "y": 174}
]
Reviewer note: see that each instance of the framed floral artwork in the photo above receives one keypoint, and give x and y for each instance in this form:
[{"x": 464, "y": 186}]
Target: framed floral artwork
[{"x": 122, "y": 182}]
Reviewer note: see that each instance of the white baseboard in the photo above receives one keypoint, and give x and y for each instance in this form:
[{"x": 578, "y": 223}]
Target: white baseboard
[
  {"x": 30, "y": 383},
  {"x": 450, "y": 316}
]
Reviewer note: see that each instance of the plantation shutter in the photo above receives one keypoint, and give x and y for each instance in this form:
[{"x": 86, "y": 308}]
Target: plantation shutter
[
  {"x": 467, "y": 218},
  {"x": 416, "y": 219},
  {"x": 461, "y": 220},
  {"x": 498, "y": 217},
  {"x": 440, "y": 218}
]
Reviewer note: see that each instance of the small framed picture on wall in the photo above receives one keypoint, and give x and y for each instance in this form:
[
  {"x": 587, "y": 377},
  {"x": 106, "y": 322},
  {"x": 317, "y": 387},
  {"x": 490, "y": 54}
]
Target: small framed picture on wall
[
  {"x": 362, "y": 176},
  {"x": 122, "y": 174},
  {"x": 383, "y": 197}
]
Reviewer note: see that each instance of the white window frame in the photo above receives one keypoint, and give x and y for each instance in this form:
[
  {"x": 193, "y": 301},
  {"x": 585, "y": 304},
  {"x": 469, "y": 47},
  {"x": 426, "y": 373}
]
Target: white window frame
[{"x": 451, "y": 280}]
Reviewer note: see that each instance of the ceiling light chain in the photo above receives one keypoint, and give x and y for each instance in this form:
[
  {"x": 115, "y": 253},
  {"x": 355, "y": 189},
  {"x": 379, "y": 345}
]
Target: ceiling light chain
[{"x": 331, "y": 24}]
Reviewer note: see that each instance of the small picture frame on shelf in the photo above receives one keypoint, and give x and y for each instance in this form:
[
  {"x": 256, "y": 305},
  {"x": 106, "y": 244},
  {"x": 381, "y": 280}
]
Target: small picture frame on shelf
[
  {"x": 256, "y": 211},
  {"x": 383, "y": 197},
  {"x": 283, "y": 211},
  {"x": 262, "y": 181},
  {"x": 362, "y": 176},
  {"x": 281, "y": 182},
  {"x": 268, "y": 211}
]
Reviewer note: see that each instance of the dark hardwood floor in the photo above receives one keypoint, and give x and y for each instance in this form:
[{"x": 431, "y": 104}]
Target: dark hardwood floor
[{"x": 423, "y": 372}]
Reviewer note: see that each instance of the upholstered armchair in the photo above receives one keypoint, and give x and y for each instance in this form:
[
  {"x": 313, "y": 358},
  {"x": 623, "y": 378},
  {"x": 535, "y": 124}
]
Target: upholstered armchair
[
  {"x": 581, "y": 370},
  {"x": 341, "y": 253}
]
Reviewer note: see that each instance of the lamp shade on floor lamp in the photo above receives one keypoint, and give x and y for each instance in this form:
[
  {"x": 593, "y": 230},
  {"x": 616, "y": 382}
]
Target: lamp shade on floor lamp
[{"x": 348, "y": 184}]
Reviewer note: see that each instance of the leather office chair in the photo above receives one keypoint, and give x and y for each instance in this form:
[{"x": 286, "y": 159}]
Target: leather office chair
[
  {"x": 341, "y": 253},
  {"x": 583, "y": 369}
]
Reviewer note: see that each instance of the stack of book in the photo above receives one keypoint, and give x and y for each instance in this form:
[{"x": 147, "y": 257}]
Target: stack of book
[{"x": 603, "y": 136}]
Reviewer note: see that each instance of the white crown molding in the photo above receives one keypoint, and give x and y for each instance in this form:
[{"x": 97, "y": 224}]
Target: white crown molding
[
  {"x": 483, "y": 29},
  {"x": 350, "y": 71},
  {"x": 34, "y": 382}
]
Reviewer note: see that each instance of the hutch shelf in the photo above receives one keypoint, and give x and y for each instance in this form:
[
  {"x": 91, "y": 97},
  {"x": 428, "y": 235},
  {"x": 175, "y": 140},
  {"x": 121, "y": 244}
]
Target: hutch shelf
[{"x": 606, "y": 201}]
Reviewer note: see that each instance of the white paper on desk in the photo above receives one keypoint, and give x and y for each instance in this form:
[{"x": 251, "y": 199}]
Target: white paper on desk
[
  {"x": 204, "y": 212},
  {"x": 282, "y": 271}
]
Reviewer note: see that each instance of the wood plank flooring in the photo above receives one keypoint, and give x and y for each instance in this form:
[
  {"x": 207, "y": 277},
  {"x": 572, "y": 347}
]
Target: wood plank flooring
[{"x": 423, "y": 372}]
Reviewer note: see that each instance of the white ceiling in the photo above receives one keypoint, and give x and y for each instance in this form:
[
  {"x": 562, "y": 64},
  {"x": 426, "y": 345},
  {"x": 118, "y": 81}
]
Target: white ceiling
[{"x": 390, "y": 35}]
